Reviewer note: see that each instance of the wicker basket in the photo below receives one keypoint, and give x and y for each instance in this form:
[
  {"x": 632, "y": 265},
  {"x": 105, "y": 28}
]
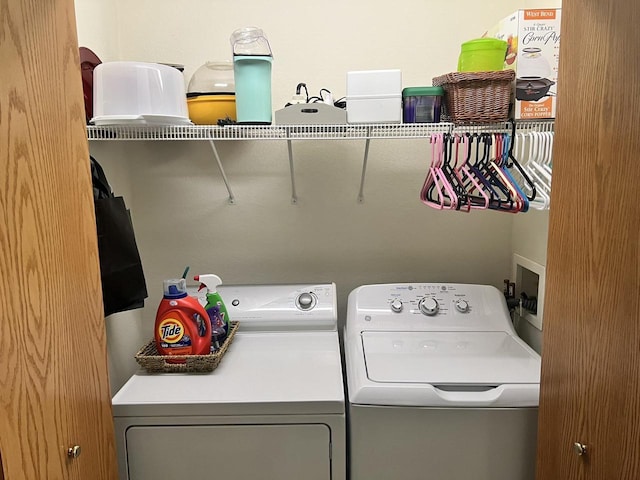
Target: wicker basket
[
  {"x": 476, "y": 97},
  {"x": 149, "y": 359}
]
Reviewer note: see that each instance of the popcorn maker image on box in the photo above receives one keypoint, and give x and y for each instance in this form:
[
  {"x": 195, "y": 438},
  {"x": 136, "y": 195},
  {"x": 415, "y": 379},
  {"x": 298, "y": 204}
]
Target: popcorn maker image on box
[{"x": 533, "y": 39}]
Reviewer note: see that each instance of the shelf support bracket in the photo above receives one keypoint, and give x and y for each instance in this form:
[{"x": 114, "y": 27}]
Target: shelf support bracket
[
  {"x": 294, "y": 195},
  {"x": 232, "y": 199},
  {"x": 364, "y": 166}
]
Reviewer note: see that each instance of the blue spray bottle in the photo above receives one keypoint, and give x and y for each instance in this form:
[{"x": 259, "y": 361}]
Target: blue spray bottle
[{"x": 215, "y": 309}]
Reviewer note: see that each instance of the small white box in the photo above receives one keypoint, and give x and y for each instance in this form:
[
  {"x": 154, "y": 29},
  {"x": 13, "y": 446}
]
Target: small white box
[{"x": 374, "y": 96}]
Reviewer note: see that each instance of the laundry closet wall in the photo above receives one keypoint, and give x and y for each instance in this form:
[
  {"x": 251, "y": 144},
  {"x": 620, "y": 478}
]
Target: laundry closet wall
[{"x": 177, "y": 197}]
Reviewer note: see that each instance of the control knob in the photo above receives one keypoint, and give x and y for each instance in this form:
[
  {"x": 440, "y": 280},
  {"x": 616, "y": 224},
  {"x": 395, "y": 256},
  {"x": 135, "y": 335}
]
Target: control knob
[
  {"x": 428, "y": 306},
  {"x": 306, "y": 301},
  {"x": 462, "y": 305},
  {"x": 396, "y": 305}
]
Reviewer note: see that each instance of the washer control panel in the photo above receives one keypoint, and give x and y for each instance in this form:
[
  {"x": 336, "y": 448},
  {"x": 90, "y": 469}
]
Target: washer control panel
[
  {"x": 430, "y": 299},
  {"x": 428, "y": 305}
]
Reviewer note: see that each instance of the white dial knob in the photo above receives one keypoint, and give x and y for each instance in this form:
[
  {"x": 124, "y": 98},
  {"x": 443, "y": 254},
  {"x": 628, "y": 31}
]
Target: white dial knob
[
  {"x": 306, "y": 301},
  {"x": 462, "y": 305},
  {"x": 429, "y": 306},
  {"x": 396, "y": 305}
]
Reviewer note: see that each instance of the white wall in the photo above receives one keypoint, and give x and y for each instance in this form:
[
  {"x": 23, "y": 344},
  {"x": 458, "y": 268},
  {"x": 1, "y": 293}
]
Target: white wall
[
  {"x": 542, "y": 4},
  {"x": 176, "y": 194},
  {"x": 97, "y": 27},
  {"x": 316, "y": 43}
]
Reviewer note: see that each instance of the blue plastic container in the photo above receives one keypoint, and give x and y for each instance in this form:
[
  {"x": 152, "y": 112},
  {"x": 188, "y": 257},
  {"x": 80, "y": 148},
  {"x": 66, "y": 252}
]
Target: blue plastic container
[{"x": 252, "y": 74}]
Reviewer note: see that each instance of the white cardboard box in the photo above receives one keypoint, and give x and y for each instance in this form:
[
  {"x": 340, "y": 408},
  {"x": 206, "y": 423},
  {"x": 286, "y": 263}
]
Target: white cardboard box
[
  {"x": 374, "y": 96},
  {"x": 533, "y": 38}
]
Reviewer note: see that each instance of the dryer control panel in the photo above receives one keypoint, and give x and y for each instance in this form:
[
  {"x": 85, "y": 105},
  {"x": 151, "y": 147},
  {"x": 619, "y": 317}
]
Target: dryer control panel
[
  {"x": 428, "y": 306},
  {"x": 279, "y": 308}
]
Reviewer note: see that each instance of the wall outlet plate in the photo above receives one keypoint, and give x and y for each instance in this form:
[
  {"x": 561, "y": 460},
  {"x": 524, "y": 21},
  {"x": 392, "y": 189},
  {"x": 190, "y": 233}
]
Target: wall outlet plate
[{"x": 529, "y": 277}]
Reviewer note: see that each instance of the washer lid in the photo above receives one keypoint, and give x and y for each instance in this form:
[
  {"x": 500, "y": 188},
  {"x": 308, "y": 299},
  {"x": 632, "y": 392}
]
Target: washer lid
[{"x": 449, "y": 358}]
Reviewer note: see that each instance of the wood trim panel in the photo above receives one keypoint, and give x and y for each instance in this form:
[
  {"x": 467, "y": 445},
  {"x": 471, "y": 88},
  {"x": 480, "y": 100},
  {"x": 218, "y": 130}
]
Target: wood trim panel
[
  {"x": 54, "y": 390},
  {"x": 590, "y": 389}
]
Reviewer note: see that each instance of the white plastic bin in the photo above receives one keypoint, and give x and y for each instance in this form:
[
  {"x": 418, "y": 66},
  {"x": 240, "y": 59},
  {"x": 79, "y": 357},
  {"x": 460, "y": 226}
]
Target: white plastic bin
[
  {"x": 374, "y": 96},
  {"x": 138, "y": 92}
]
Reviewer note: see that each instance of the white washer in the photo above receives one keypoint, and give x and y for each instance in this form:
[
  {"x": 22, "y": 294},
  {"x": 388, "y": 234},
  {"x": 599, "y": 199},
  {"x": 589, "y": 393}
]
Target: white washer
[
  {"x": 273, "y": 409},
  {"x": 440, "y": 386}
]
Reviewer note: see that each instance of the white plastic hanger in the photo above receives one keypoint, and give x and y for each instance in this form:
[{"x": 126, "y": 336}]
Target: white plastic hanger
[{"x": 542, "y": 200}]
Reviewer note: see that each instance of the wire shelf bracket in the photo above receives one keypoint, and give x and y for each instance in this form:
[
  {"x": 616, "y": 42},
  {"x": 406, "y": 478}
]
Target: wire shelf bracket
[{"x": 232, "y": 198}]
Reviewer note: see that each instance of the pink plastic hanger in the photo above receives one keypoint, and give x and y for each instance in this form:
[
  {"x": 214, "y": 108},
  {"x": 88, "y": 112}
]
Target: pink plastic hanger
[{"x": 436, "y": 180}]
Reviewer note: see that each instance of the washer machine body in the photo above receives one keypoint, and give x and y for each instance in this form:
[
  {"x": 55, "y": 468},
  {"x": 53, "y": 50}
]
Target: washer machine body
[{"x": 440, "y": 386}]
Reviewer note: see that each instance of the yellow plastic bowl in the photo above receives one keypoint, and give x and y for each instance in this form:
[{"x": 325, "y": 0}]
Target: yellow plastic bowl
[{"x": 208, "y": 109}]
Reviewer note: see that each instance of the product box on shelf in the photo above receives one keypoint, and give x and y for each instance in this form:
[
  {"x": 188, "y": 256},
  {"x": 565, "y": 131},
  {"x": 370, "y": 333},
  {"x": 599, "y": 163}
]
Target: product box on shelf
[
  {"x": 374, "y": 96},
  {"x": 533, "y": 38}
]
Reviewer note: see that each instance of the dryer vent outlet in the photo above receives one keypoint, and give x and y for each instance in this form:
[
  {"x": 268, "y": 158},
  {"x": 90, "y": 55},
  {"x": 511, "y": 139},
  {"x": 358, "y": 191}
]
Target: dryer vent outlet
[{"x": 529, "y": 279}]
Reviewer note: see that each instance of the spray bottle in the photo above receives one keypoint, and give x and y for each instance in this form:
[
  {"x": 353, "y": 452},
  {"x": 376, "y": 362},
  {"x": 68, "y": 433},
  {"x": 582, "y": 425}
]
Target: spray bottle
[
  {"x": 182, "y": 325},
  {"x": 220, "y": 324}
]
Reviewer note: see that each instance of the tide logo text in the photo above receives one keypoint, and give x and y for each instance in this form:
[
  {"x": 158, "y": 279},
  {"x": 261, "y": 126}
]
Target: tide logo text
[{"x": 170, "y": 330}]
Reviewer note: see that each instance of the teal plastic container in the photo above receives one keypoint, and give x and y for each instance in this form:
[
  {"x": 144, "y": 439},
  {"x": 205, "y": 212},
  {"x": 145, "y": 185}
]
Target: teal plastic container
[
  {"x": 482, "y": 55},
  {"x": 252, "y": 74}
]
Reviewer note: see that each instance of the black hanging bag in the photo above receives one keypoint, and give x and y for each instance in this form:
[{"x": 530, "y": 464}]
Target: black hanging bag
[{"x": 123, "y": 284}]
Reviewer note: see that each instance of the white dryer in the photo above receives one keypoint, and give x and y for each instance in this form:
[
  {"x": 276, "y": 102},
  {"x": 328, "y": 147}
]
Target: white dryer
[
  {"x": 440, "y": 386},
  {"x": 273, "y": 409}
]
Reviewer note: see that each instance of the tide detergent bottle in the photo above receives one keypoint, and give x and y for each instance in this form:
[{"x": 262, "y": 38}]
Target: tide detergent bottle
[
  {"x": 215, "y": 308},
  {"x": 182, "y": 325}
]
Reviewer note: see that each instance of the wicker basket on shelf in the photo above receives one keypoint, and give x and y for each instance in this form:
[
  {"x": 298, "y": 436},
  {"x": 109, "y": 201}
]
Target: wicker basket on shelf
[
  {"x": 149, "y": 358},
  {"x": 476, "y": 97}
]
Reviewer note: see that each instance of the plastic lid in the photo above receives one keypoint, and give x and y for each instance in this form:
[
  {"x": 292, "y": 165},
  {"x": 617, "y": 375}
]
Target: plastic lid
[
  {"x": 175, "y": 288},
  {"x": 124, "y": 89},
  {"x": 422, "y": 91},
  {"x": 250, "y": 41},
  {"x": 484, "y": 44},
  {"x": 213, "y": 77}
]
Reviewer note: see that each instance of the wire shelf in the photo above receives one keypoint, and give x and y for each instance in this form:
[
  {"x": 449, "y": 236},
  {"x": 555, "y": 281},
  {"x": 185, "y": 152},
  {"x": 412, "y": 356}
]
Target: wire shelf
[{"x": 301, "y": 132}]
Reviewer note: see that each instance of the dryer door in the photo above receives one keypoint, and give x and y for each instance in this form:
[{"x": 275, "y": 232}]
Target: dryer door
[{"x": 239, "y": 452}]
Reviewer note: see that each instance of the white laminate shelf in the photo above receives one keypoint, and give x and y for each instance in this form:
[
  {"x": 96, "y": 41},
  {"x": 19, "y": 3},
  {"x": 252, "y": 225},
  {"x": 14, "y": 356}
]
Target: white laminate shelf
[{"x": 367, "y": 132}]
